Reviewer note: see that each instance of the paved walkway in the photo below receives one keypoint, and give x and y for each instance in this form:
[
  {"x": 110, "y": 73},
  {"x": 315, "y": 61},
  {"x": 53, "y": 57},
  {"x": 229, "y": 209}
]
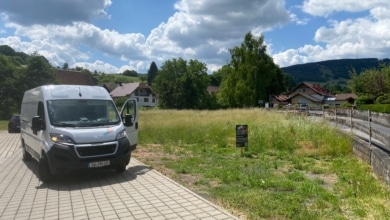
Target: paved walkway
[{"x": 139, "y": 193}]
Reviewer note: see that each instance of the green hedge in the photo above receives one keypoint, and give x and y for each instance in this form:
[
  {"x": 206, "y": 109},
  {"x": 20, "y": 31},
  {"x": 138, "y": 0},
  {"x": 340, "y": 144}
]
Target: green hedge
[{"x": 383, "y": 108}]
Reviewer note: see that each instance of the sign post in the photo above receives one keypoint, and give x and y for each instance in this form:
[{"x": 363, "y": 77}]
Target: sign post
[{"x": 241, "y": 136}]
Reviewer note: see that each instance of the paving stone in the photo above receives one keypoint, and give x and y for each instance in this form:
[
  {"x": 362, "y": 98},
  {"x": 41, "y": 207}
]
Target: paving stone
[{"x": 138, "y": 193}]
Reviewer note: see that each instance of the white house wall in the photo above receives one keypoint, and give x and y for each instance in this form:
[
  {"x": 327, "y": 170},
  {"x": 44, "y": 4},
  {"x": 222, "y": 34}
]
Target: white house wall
[
  {"x": 301, "y": 100},
  {"x": 145, "y": 101}
]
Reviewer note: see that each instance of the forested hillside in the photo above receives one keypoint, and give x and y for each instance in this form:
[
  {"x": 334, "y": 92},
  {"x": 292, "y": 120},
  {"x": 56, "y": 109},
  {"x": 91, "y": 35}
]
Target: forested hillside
[
  {"x": 331, "y": 70},
  {"x": 18, "y": 73}
]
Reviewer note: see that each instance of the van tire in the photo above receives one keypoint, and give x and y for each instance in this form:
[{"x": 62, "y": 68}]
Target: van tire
[
  {"x": 26, "y": 154},
  {"x": 44, "y": 169},
  {"x": 121, "y": 168}
]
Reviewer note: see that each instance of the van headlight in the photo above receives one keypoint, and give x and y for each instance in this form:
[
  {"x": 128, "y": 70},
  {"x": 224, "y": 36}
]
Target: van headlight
[
  {"x": 121, "y": 135},
  {"x": 59, "y": 138}
]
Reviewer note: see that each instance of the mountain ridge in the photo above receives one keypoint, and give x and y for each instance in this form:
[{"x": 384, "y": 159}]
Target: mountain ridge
[{"x": 332, "y": 70}]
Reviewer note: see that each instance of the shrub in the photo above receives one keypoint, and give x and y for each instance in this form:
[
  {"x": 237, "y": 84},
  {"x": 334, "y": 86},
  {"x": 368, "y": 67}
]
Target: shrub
[
  {"x": 364, "y": 99},
  {"x": 383, "y": 99},
  {"x": 383, "y": 108}
]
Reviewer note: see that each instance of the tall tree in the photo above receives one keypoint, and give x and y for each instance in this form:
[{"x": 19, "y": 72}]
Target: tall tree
[
  {"x": 181, "y": 84},
  {"x": 289, "y": 82},
  {"x": 65, "y": 66},
  {"x": 7, "y": 50},
  {"x": 15, "y": 77},
  {"x": 152, "y": 73},
  {"x": 253, "y": 77},
  {"x": 218, "y": 76},
  {"x": 371, "y": 83},
  {"x": 38, "y": 72},
  {"x": 132, "y": 73},
  {"x": 9, "y": 79}
]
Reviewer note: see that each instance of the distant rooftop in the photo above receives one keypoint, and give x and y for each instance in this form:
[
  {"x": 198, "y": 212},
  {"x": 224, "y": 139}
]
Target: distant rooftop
[{"x": 72, "y": 77}]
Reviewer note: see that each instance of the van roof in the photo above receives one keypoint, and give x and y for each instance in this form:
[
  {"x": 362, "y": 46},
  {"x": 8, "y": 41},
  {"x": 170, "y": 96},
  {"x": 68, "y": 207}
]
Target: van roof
[{"x": 71, "y": 92}]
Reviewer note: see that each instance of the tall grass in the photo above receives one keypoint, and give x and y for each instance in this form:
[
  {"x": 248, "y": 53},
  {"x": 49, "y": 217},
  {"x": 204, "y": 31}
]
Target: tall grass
[
  {"x": 293, "y": 167},
  {"x": 3, "y": 125}
]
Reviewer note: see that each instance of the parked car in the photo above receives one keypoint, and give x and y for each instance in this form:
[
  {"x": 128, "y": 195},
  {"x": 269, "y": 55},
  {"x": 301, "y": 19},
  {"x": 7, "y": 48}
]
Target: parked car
[{"x": 14, "y": 124}]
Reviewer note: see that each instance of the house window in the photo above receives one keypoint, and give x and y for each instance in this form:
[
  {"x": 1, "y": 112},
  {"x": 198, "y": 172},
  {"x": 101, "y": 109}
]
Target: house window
[
  {"x": 153, "y": 100},
  {"x": 146, "y": 99}
]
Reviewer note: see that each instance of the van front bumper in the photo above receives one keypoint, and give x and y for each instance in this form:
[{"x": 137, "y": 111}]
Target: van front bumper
[{"x": 67, "y": 159}]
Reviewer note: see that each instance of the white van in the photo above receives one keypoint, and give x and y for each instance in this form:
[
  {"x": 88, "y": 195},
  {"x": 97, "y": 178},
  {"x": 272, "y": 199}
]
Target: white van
[{"x": 69, "y": 127}]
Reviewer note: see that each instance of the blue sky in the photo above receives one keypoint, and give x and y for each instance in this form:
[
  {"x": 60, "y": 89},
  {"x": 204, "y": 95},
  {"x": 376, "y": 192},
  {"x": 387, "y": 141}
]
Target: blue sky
[{"x": 112, "y": 36}]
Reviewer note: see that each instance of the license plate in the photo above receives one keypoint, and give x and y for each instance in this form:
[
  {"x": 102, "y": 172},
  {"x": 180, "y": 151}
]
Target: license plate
[{"x": 99, "y": 164}]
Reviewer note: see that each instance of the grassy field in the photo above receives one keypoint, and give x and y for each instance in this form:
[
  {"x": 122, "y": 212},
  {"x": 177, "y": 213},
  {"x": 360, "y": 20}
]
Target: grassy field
[
  {"x": 293, "y": 168},
  {"x": 3, "y": 125}
]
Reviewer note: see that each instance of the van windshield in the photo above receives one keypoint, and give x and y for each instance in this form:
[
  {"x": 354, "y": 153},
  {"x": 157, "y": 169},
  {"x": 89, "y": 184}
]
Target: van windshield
[{"x": 82, "y": 113}]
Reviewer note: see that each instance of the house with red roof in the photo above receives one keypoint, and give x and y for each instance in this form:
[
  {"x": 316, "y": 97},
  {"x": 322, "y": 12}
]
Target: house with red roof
[
  {"x": 312, "y": 94},
  {"x": 141, "y": 91},
  {"x": 279, "y": 100},
  {"x": 343, "y": 98}
]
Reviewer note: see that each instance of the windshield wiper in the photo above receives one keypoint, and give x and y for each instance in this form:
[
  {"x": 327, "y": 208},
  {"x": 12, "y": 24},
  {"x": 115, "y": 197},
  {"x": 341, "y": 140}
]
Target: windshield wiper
[
  {"x": 94, "y": 124},
  {"x": 107, "y": 123},
  {"x": 63, "y": 124}
]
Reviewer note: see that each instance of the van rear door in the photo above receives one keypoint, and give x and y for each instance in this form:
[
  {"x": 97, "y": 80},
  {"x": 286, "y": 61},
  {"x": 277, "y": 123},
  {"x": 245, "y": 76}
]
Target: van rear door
[{"x": 129, "y": 115}]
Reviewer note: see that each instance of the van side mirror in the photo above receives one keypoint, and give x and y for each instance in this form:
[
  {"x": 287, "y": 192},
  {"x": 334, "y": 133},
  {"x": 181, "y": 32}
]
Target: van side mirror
[
  {"x": 128, "y": 120},
  {"x": 37, "y": 123}
]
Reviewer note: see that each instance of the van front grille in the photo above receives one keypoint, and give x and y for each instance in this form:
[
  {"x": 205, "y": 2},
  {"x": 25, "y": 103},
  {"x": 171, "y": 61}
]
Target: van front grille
[{"x": 96, "y": 150}]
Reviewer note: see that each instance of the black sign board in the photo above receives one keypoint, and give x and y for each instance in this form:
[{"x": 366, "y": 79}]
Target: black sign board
[{"x": 241, "y": 135}]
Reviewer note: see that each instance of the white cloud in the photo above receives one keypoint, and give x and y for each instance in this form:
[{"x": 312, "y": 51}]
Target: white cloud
[
  {"x": 80, "y": 33},
  {"x": 98, "y": 66},
  {"x": 52, "y": 50},
  {"x": 367, "y": 37},
  {"x": 381, "y": 13},
  {"x": 326, "y": 8},
  {"x": 200, "y": 29},
  {"x": 298, "y": 20},
  {"x": 290, "y": 57},
  {"x": 60, "y": 12},
  {"x": 59, "y": 44},
  {"x": 204, "y": 29}
]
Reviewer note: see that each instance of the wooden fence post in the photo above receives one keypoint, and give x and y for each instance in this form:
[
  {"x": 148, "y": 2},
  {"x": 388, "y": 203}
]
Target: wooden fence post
[
  {"x": 369, "y": 127},
  {"x": 351, "y": 118}
]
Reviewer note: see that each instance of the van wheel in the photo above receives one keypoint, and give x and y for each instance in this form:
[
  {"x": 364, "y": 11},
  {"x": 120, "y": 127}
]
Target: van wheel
[
  {"x": 44, "y": 170},
  {"x": 121, "y": 168},
  {"x": 26, "y": 154}
]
